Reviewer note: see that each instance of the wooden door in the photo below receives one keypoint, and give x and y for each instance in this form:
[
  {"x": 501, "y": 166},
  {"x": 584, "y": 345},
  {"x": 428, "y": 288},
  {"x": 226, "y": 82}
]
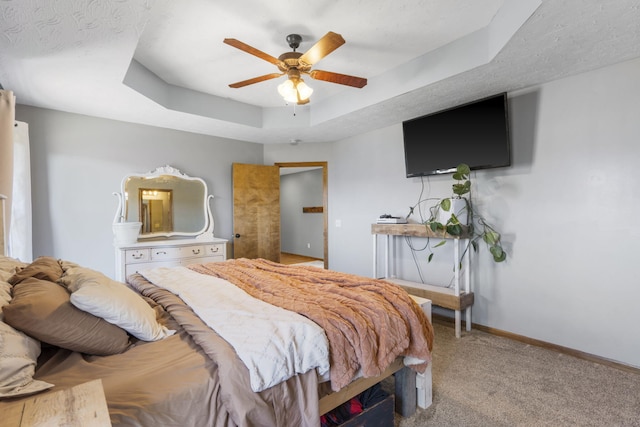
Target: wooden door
[{"x": 256, "y": 211}]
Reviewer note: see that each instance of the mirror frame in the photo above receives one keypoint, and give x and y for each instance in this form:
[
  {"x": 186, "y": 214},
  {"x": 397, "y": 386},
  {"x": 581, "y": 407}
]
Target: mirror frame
[{"x": 206, "y": 233}]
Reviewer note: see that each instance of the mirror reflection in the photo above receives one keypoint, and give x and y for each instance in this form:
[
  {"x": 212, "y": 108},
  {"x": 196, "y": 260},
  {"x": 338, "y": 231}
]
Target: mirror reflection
[{"x": 156, "y": 210}]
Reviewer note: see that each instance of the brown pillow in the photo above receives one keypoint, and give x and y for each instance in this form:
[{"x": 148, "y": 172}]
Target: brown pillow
[
  {"x": 45, "y": 268},
  {"x": 42, "y": 309}
]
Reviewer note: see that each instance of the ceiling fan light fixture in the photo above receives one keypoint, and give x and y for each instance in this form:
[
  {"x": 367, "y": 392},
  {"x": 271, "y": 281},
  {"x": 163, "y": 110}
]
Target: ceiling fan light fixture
[
  {"x": 287, "y": 90},
  {"x": 294, "y": 90},
  {"x": 304, "y": 91}
]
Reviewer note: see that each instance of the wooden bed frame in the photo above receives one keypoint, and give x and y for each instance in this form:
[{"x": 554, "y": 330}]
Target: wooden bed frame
[{"x": 411, "y": 389}]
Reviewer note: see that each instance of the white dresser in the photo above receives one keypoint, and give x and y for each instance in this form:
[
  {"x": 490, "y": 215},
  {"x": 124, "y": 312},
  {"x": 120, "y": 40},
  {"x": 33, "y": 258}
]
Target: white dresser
[{"x": 143, "y": 255}]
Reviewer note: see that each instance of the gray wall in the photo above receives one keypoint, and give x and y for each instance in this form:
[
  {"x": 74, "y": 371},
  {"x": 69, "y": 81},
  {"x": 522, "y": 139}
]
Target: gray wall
[
  {"x": 566, "y": 210},
  {"x": 297, "y": 229},
  {"x": 565, "y": 207},
  {"x": 78, "y": 161}
]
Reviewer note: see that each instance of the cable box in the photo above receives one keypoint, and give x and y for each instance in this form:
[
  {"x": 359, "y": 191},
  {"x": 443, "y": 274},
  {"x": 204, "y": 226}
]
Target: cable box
[{"x": 391, "y": 221}]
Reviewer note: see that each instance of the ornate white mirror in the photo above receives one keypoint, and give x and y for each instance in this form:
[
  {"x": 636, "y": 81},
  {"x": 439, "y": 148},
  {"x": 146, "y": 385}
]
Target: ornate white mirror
[{"x": 167, "y": 203}]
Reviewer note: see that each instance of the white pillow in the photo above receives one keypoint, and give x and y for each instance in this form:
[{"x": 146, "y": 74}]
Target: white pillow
[
  {"x": 19, "y": 354},
  {"x": 113, "y": 301}
]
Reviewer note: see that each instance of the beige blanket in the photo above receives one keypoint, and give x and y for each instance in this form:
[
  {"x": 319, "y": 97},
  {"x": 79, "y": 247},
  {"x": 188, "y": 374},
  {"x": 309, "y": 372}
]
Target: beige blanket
[{"x": 368, "y": 322}]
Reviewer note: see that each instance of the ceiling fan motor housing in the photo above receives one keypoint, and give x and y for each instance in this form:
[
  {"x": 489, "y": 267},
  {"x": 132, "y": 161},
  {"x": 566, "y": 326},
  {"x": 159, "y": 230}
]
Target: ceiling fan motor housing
[
  {"x": 290, "y": 60},
  {"x": 294, "y": 41}
]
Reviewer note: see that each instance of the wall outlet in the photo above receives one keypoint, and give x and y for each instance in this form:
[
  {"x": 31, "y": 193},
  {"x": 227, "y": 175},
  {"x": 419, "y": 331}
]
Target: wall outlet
[{"x": 308, "y": 245}]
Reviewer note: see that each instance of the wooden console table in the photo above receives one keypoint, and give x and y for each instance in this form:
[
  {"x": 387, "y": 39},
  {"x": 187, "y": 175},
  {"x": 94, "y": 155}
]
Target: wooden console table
[{"x": 459, "y": 299}]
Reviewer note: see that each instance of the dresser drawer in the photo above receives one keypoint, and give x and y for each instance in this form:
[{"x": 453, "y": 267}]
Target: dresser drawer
[
  {"x": 214, "y": 250},
  {"x": 162, "y": 253},
  {"x": 136, "y": 255},
  {"x": 192, "y": 251}
]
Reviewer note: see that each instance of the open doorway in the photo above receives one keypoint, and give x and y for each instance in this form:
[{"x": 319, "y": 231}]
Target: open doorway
[{"x": 316, "y": 209}]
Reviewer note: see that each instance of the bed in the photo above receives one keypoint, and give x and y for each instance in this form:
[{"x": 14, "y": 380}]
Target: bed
[{"x": 162, "y": 364}]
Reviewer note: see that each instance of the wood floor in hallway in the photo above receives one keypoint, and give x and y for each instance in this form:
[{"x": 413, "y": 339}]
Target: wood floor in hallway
[{"x": 287, "y": 258}]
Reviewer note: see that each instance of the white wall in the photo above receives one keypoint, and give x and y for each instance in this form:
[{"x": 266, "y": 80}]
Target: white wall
[
  {"x": 566, "y": 210},
  {"x": 79, "y": 161}
]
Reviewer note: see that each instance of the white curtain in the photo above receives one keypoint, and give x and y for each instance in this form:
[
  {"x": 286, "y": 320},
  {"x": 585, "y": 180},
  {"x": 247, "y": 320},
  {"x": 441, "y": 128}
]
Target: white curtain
[
  {"x": 19, "y": 239},
  {"x": 7, "y": 119},
  {"x": 15, "y": 180}
]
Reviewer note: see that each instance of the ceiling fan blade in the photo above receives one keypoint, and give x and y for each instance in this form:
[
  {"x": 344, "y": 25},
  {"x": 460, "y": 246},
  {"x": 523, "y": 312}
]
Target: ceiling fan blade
[
  {"x": 255, "y": 80},
  {"x": 253, "y": 51},
  {"x": 342, "y": 79},
  {"x": 323, "y": 47}
]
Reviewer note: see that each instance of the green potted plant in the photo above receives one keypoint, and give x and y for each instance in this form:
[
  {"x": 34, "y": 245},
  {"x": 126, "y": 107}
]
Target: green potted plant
[{"x": 455, "y": 216}]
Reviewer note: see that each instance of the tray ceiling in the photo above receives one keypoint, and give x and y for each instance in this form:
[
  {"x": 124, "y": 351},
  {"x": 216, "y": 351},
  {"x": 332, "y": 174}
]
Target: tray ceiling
[{"x": 163, "y": 62}]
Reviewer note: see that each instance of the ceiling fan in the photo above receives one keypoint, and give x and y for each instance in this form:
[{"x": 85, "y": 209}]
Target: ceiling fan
[{"x": 294, "y": 64}]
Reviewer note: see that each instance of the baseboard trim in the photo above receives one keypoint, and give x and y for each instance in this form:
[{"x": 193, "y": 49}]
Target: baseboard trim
[{"x": 538, "y": 343}]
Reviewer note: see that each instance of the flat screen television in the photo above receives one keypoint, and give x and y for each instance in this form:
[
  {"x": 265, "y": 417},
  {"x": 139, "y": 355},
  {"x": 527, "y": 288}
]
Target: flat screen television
[{"x": 476, "y": 133}]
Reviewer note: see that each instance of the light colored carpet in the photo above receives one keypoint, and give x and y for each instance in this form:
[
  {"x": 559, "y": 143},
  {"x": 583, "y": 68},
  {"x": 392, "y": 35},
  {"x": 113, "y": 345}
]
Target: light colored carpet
[{"x": 486, "y": 380}]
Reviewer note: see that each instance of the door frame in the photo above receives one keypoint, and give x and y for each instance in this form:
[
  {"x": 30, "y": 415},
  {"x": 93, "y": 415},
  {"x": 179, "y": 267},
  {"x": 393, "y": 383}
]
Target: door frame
[{"x": 325, "y": 199}]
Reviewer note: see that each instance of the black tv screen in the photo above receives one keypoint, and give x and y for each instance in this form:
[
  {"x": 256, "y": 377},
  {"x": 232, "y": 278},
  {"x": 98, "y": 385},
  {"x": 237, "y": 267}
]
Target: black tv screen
[{"x": 476, "y": 133}]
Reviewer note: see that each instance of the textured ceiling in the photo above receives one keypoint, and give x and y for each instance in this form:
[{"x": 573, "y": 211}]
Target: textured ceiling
[
  {"x": 197, "y": 59},
  {"x": 163, "y": 62}
]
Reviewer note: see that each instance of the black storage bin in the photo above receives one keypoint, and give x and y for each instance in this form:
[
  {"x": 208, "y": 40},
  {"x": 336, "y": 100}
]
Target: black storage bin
[
  {"x": 372, "y": 408},
  {"x": 378, "y": 415}
]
